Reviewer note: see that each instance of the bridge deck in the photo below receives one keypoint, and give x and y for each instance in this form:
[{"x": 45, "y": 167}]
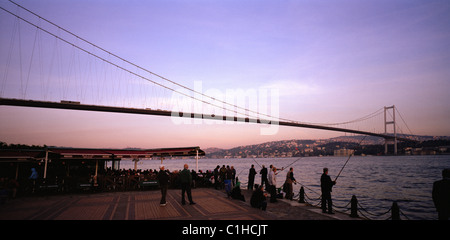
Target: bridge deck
[{"x": 78, "y": 106}]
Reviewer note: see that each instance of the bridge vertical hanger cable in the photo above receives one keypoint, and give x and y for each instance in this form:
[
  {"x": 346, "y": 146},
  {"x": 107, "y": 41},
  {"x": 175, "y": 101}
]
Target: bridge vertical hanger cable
[
  {"x": 8, "y": 57},
  {"x": 31, "y": 63},
  {"x": 44, "y": 87},
  {"x": 140, "y": 76},
  {"x": 403, "y": 120},
  {"x": 124, "y": 69},
  {"x": 148, "y": 71},
  {"x": 20, "y": 57}
]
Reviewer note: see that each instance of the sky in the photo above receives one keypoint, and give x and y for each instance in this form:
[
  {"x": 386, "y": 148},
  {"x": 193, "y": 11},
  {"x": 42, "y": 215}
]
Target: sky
[{"x": 321, "y": 61}]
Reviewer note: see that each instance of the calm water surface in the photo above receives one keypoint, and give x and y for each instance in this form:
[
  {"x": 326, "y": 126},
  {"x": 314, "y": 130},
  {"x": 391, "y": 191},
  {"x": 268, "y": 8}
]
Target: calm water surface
[{"x": 375, "y": 181}]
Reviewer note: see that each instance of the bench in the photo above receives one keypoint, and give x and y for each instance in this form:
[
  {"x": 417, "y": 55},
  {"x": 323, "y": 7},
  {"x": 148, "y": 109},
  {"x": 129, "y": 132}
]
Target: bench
[
  {"x": 84, "y": 186},
  {"x": 149, "y": 184},
  {"x": 50, "y": 187}
]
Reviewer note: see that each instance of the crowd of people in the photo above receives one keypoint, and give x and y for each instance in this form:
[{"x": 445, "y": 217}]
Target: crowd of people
[
  {"x": 199, "y": 179},
  {"x": 106, "y": 180},
  {"x": 225, "y": 178},
  {"x": 269, "y": 180}
]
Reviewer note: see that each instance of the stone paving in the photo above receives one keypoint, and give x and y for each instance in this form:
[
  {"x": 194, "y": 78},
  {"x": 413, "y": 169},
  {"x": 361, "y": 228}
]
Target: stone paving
[{"x": 210, "y": 204}]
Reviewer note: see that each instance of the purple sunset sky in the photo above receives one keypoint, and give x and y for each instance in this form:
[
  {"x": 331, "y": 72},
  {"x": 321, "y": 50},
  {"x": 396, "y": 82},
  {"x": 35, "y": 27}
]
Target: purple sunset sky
[{"x": 331, "y": 61}]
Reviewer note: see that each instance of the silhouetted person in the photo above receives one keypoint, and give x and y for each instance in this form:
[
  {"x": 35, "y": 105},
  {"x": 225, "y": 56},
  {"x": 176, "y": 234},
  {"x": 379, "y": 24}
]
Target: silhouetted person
[
  {"x": 216, "y": 177},
  {"x": 289, "y": 180},
  {"x": 326, "y": 185},
  {"x": 251, "y": 177},
  {"x": 441, "y": 195},
  {"x": 273, "y": 184},
  {"x": 236, "y": 192},
  {"x": 186, "y": 181},
  {"x": 233, "y": 176},
  {"x": 33, "y": 178},
  {"x": 264, "y": 173},
  {"x": 163, "y": 178},
  {"x": 258, "y": 199},
  {"x": 228, "y": 178}
]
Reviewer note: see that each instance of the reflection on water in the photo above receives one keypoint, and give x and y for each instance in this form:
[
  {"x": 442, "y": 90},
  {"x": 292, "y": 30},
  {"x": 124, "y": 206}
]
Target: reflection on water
[{"x": 375, "y": 181}]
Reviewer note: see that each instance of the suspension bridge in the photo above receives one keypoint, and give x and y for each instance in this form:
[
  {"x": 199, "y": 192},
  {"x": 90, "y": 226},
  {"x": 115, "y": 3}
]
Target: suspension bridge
[{"x": 48, "y": 66}]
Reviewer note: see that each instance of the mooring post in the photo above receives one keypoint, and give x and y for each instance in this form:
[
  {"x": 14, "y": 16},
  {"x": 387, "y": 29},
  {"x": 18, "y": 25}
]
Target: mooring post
[
  {"x": 354, "y": 207},
  {"x": 302, "y": 195},
  {"x": 395, "y": 211}
]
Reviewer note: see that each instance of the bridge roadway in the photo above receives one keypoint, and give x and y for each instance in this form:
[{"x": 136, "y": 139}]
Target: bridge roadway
[{"x": 77, "y": 106}]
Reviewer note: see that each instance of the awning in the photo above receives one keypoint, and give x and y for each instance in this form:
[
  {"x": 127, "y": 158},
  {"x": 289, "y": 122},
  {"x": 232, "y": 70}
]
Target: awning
[
  {"x": 117, "y": 154},
  {"x": 21, "y": 155},
  {"x": 86, "y": 154}
]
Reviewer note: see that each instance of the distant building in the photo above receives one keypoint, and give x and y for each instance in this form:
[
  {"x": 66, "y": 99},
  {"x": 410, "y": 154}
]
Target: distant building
[{"x": 343, "y": 152}]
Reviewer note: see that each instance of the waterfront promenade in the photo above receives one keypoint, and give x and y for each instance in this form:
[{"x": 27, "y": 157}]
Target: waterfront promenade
[{"x": 210, "y": 204}]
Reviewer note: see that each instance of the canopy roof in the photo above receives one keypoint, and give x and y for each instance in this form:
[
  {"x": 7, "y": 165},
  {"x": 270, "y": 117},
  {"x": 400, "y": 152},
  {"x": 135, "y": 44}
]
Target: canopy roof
[
  {"x": 21, "y": 155},
  {"x": 16, "y": 155},
  {"x": 90, "y": 153}
]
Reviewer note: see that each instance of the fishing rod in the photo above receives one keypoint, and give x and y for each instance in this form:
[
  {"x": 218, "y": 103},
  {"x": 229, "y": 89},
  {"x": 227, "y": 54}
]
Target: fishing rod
[
  {"x": 291, "y": 164},
  {"x": 256, "y": 162},
  {"x": 240, "y": 172},
  {"x": 349, "y": 159}
]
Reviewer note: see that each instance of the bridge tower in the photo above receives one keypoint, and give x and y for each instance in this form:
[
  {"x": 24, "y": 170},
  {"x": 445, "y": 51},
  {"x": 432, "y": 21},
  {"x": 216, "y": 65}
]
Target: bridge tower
[{"x": 390, "y": 122}]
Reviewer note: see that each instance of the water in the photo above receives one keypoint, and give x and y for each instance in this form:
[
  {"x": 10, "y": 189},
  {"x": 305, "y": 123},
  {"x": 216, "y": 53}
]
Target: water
[{"x": 376, "y": 181}]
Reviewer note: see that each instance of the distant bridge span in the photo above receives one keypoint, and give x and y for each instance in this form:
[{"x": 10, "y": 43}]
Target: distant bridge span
[{"x": 84, "y": 107}]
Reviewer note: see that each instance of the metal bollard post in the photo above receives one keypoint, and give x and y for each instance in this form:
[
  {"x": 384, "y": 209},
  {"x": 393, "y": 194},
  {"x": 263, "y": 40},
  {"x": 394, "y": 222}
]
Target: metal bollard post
[
  {"x": 354, "y": 207},
  {"x": 395, "y": 211},
  {"x": 302, "y": 195}
]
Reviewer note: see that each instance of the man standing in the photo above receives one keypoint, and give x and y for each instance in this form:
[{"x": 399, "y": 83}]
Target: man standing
[
  {"x": 186, "y": 181},
  {"x": 273, "y": 184},
  {"x": 233, "y": 176},
  {"x": 441, "y": 195},
  {"x": 264, "y": 179},
  {"x": 289, "y": 180},
  {"x": 326, "y": 184},
  {"x": 216, "y": 177},
  {"x": 33, "y": 179},
  {"x": 228, "y": 176},
  {"x": 251, "y": 177},
  {"x": 163, "y": 178}
]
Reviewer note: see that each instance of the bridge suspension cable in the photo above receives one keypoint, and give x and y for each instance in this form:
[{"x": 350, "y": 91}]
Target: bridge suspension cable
[
  {"x": 366, "y": 117},
  {"x": 403, "y": 120},
  {"x": 142, "y": 68},
  {"x": 204, "y": 98},
  {"x": 134, "y": 73}
]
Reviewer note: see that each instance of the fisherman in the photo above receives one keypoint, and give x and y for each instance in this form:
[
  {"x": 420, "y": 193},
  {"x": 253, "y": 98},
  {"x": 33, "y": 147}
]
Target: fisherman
[
  {"x": 233, "y": 176},
  {"x": 251, "y": 177},
  {"x": 186, "y": 181},
  {"x": 326, "y": 185},
  {"x": 273, "y": 185},
  {"x": 264, "y": 179},
  {"x": 289, "y": 180},
  {"x": 441, "y": 195},
  {"x": 163, "y": 178}
]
